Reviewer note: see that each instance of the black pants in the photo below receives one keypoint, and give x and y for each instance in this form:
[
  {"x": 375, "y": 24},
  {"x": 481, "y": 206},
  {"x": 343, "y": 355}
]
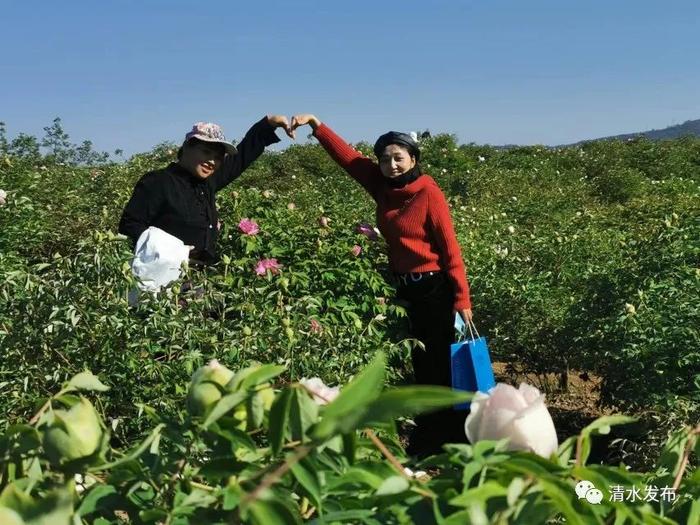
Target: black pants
[{"x": 430, "y": 313}]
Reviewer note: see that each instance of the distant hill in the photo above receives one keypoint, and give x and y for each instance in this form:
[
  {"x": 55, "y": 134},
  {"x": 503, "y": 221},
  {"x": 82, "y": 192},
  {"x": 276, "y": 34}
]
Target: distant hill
[{"x": 688, "y": 128}]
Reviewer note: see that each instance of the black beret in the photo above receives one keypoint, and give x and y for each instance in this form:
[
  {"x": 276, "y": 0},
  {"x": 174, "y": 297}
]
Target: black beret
[{"x": 401, "y": 139}]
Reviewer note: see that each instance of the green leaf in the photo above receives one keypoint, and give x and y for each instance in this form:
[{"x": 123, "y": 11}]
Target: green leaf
[
  {"x": 198, "y": 498},
  {"x": 473, "y": 516},
  {"x": 344, "y": 516},
  {"x": 563, "y": 499},
  {"x": 515, "y": 489},
  {"x": 272, "y": 513},
  {"x": 393, "y": 485},
  {"x": 672, "y": 454},
  {"x": 155, "y": 433},
  {"x": 404, "y": 401},
  {"x": 602, "y": 424},
  {"x": 232, "y": 496},
  {"x": 480, "y": 494},
  {"x": 55, "y": 507},
  {"x": 306, "y": 475},
  {"x": 87, "y": 381},
  {"x": 347, "y": 410},
  {"x": 566, "y": 451},
  {"x": 93, "y": 500},
  {"x": 303, "y": 413},
  {"x": 255, "y": 409},
  {"x": 356, "y": 476},
  {"x": 599, "y": 426},
  {"x": 349, "y": 446},
  {"x": 260, "y": 375},
  {"x": 225, "y": 405},
  {"x": 279, "y": 416}
]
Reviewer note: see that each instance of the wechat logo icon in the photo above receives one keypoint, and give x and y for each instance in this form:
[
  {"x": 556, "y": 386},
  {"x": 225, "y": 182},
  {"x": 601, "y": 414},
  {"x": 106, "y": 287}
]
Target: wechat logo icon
[{"x": 586, "y": 490}]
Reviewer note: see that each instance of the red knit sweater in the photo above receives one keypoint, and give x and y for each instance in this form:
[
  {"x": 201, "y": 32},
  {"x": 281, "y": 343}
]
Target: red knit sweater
[{"x": 414, "y": 220}]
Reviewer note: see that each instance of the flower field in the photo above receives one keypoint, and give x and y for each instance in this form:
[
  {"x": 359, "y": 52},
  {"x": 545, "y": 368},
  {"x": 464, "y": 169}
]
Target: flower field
[{"x": 581, "y": 260}]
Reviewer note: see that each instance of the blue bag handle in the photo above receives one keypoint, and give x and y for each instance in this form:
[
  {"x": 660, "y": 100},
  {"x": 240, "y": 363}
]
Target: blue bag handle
[{"x": 460, "y": 326}]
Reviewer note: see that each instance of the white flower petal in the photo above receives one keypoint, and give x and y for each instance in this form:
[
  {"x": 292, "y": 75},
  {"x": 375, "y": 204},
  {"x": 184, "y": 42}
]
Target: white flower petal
[{"x": 534, "y": 430}]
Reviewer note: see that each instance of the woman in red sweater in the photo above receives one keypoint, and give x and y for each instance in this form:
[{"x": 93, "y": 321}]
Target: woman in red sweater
[{"x": 424, "y": 255}]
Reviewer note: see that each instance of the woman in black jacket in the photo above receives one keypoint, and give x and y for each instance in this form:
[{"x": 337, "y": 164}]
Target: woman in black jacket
[{"x": 181, "y": 198}]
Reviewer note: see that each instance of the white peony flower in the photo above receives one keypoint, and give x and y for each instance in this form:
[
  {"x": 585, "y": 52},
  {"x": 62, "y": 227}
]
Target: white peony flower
[
  {"x": 418, "y": 474},
  {"x": 517, "y": 414},
  {"x": 322, "y": 394},
  {"x": 3, "y": 197}
]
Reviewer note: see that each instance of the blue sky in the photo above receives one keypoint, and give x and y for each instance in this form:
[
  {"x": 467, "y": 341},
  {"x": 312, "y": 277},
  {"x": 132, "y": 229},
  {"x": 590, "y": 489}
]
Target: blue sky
[{"x": 132, "y": 74}]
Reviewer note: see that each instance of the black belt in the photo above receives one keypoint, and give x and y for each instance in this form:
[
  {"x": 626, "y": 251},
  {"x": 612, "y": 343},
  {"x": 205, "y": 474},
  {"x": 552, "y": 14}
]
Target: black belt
[{"x": 412, "y": 277}]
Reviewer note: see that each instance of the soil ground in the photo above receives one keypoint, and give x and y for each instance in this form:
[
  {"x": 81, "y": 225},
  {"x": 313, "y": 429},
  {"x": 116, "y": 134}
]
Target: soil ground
[{"x": 572, "y": 408}]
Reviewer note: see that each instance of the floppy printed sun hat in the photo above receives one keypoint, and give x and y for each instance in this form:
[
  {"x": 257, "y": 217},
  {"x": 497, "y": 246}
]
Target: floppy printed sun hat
[{"x": 210, "y": 132}]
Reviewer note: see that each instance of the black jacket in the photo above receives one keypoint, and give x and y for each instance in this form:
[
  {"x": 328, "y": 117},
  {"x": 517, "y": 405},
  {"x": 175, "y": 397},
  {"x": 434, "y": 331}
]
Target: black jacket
[{"x": 183, "y": 205}]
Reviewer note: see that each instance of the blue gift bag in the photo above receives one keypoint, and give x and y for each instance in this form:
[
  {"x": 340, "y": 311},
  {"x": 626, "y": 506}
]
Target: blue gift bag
[{"x": 471, "y": 364}]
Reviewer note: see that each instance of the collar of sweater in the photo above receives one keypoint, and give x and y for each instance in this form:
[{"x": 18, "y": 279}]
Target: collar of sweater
[{"x": 409, "y": 189}]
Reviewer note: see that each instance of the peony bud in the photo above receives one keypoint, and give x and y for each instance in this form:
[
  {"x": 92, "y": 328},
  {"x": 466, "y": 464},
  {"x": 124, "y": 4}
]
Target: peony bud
[
  {"x": 72, "y": 434},
  {"x": 517, "y": 414},
  {"x": 267, "y": 395},
  {"x": 10, "y": 517},
  {"x": 204, "y": 388},
  {"x": 630, "y": 309}
]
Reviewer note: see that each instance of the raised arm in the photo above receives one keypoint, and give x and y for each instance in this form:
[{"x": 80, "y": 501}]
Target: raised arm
[
  {"x": 259, "y": 136},
  {"x": 359, "y": 167}
]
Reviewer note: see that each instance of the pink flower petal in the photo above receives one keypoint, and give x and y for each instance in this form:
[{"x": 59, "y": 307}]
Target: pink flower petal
[
  {"x": 267, "y": 264},
  {"x": 248, "y": 227}
]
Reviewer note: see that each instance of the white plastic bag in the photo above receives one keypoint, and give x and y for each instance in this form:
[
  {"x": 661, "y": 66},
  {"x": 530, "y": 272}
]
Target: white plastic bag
[{"x": 158, "y": 259}]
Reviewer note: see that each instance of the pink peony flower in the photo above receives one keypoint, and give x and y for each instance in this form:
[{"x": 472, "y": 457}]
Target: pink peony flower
[
  {"x": 356, "y": 250},
  {"x": 324, "y": 222},
  {"x": 316, "y": 327},
  {"x": 291, "y": 206},
  {"x": 267, "y": 264},
  {"x": 367, "y": 230},
  {"x": 322, "y": 394},
  {"x": 248, "y": 227}
]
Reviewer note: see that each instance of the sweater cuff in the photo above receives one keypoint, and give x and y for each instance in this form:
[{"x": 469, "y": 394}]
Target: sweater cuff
[
  {"x": 267, "y": 132},
  {"x": 463, "y": 304}
]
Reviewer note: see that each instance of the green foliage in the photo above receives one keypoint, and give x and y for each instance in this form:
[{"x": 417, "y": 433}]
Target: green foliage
[
  {"x": 192, "y": 471},
  {"x": 582, "y": 257}
]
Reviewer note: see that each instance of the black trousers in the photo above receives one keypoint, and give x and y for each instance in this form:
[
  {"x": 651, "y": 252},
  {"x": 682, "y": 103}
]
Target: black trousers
[{"x": 430, "y": 313}]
